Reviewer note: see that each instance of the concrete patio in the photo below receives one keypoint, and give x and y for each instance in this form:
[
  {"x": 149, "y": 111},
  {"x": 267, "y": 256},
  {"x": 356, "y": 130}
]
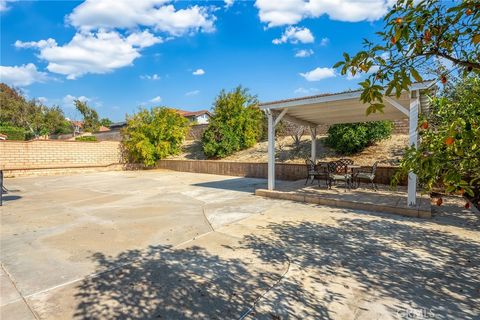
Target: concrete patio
[
  {"x": 385, "y": 199},
  {"x": 170, "y": 245}
]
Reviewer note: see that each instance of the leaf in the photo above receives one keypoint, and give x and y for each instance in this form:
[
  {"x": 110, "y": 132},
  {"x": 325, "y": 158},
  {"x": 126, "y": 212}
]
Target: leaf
[
  {"x": 476, "y": 39},
  {"x": 416, "y": 75}
]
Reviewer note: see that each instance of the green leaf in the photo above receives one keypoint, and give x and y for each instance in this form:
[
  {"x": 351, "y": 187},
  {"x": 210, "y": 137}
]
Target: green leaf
[{"x": 416, "y": 75}]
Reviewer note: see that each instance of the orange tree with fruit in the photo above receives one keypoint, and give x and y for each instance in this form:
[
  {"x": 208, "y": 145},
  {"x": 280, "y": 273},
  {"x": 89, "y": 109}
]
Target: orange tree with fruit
[{"x": 417, "y": 35}]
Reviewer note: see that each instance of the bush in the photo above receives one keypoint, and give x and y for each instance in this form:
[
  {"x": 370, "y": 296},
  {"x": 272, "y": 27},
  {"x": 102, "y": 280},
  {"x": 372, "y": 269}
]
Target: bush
[
  {"x": 236, "y": 124},
  {"x": 12, "y": 132},
  {"x": 448, "y": 155},
  {"x": 354, "y": 137},
  {"x": 153, "y": 134},
  {"x": 86, "y": 138}
]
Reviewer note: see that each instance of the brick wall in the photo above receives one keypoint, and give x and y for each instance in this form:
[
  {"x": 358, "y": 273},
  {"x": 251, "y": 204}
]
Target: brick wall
[{"x": 50, "y": 156}]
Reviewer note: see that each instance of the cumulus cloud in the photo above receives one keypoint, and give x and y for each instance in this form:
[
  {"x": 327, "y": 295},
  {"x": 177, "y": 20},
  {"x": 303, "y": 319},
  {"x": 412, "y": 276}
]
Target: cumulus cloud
[
  {"x": 324, "y": 42},
  {"x": 305, "y": 91},
  {"x": 68, "y": 100},
  {"x": 228, "y": 3},
  {"x": 111, "y": 34},
  {"x": 295, "y": 35},
  {"x": 192, "y": 93},
  {"x": 97, "y": 53},
  {"x": 126, "y": 14},
  {"x": 157, "y": 99},
  {"x": 21, "y": 76},
  {"x": 290, "y": 12},
  {"x": 304, "y": 53},
  {"x": 150, "y": 77},
  {"x": 318, "y": 74},
  {"x": 359, "y": 75},
  {"x": 198, "y": 72}
]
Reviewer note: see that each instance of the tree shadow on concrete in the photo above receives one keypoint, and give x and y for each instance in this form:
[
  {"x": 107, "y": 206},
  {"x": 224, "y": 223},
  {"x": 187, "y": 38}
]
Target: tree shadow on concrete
[
  {"x": 428, "y": 270},
  {"x": 166, "y": 283}
]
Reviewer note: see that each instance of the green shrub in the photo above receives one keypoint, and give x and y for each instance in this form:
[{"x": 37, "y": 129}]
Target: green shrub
[
  {"x": 153, "y": 134},
  {"x": 236, "y": 124},
  {"x": 86, "y": 138},
  {"x": 354, "y": 137},
  {"x": 12, "y": 132}
]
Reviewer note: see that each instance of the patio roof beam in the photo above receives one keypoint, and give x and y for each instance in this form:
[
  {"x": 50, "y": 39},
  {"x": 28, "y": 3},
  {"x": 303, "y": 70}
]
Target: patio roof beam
[
  {"x": 280, "y": 116},
  {"x": 299, "y": 121},
  {"x": 312, "y": 100},
  {"x": 397, "y": 105}
]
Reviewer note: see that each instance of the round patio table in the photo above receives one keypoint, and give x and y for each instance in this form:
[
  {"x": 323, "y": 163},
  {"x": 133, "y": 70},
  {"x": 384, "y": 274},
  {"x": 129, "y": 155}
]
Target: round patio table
[{"x": 352, "y": 168}]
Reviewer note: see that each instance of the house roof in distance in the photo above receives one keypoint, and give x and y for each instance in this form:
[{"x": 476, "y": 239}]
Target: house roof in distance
[{"x": 193, "y": 113}]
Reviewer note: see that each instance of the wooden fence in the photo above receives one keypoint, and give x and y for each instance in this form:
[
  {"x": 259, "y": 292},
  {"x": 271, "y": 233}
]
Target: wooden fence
[{"x": 283, "y": 171}]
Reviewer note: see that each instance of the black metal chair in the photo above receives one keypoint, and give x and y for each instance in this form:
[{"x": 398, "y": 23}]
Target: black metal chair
[
  {"x": 322, "y": 171},
  {"x": 341, "y": 172},
  {"x": 312, "y": 172},
  {"x": 367, "y": 174}
]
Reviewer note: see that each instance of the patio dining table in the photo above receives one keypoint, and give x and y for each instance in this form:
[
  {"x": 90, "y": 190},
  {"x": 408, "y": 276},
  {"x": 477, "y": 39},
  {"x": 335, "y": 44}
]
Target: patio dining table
[{"x": 353, "y": 168}]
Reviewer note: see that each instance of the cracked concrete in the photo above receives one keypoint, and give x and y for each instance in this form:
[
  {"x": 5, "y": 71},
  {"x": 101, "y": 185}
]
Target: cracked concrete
[{"x": 123, "y": 245}]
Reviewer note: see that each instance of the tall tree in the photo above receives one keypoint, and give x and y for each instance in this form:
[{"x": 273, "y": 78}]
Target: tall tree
[
  {"x": 236, "y": 123},
  {"x": 91, "y": 123},
  {"x": 31, "y": 115},
  {"x": 416, "y": 33}
]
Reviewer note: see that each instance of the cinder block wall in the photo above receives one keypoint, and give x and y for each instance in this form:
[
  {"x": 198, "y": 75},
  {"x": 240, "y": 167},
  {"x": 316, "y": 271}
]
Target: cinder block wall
[
  {"x": 50, "y": 156},
  {"x": 283, "y": 171}
]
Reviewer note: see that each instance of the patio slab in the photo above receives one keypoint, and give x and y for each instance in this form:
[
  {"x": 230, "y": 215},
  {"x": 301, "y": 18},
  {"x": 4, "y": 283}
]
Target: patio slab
[
  {"x": 159, "y": 244},
  {"x": 383, "y": 200}
]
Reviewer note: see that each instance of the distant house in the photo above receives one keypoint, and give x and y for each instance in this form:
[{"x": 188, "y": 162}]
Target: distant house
[
  {"x": 78, "y": 127},
  {"x": 200, "y": 117}
]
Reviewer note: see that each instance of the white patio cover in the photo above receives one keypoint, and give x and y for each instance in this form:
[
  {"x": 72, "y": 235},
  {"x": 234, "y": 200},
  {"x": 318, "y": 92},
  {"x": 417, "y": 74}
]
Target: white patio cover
[{"x": 346, "y": 107}]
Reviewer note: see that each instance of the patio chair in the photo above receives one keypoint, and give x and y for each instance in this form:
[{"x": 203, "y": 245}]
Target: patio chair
[
  {"x": 312, "y": 172},
  {"x": 339, "y": 172},
  {"x": 367, "y": 174}
]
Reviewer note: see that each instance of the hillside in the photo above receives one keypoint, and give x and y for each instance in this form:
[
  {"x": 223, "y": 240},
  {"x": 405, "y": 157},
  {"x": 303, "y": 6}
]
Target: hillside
[{"x": 389, "y": 151}]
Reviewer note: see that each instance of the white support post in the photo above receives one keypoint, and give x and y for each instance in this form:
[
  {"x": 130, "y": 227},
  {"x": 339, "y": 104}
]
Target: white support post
[
  {"x": 413, "y": 125},
  {"x": 271, "y": 150},
  {"x": 313, "y": 133}
]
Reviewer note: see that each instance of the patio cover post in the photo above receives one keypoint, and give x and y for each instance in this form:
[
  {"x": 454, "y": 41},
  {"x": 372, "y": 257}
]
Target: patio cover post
[
  {"x": 271, "y": 150},
  {"x": 413, "y": 134},
  {"x": 313, "y": 133}
]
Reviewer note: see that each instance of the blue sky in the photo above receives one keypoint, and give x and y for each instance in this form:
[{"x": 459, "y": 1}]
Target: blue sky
[{"x": 119, "y": 55}]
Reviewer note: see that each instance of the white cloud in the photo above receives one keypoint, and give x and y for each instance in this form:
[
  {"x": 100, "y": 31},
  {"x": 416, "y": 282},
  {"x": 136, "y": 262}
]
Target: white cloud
[
  {"x": 318, "y": 74},
  {"x": 98, "y": 53},
  {"x": 143, "y": 39},
  {"x": 4, "y": 5},
  {"x": 290, "y": 12},
  {"x": 68, "y": 100},
  {"x": 295, "y": 35},
  {"x": 305, "y": 91},
  {"x": 150, "y": 77},
  {"x": 42, "y": 100},
  {"x": 36, "y": 44},
  {"x": 192, "y": 93},
  {"x": 324, "y": 42},
  {"x": 304, "y": 53},
  {"x": 126, "y": 14},
  {"x": 228, "y": 3},
  {"x": 198, "y": 72},
  {"x": 359, "y": 75},
  {"x": 21, "y": 76},
  {"x": 157, "y": 99}
]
